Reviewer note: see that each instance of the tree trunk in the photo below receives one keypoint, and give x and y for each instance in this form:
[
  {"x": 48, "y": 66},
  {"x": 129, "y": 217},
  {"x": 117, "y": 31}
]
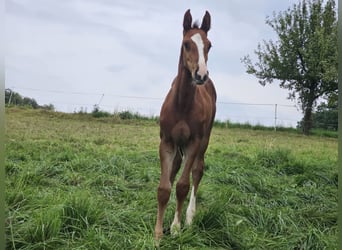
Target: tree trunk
[{"x": 307, "y": 120}]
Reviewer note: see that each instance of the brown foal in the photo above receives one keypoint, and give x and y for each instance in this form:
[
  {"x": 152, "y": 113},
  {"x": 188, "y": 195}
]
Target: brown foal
[{"x": 186, "y": 119}]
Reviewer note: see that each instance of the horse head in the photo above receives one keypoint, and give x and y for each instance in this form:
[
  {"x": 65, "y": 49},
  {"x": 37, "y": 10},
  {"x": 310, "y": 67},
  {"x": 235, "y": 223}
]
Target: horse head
[{"x": 195, "y": 47}]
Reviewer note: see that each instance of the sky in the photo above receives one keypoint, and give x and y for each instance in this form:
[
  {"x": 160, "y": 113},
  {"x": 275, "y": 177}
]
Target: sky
[{"x": 123, "y": 55}]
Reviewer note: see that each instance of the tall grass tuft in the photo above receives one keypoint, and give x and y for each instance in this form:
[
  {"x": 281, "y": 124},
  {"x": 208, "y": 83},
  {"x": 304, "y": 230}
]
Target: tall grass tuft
[
  {"x": 45, "y": 229},
  {"x": 80, "y": 212}
]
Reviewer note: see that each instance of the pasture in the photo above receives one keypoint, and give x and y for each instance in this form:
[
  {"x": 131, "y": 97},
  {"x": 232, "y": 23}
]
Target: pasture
[{"x": 78, "y": 182}]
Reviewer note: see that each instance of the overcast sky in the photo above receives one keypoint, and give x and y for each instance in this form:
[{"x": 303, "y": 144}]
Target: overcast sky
[{"x": 123, "y": 55}]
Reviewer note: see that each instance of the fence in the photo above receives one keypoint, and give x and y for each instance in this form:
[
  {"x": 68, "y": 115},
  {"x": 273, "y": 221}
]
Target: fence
[{"x": 253, "y": 113}]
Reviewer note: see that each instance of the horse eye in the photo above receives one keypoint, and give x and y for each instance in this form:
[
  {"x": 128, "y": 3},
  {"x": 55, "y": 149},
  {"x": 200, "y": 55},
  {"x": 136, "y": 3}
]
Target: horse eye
[{"x": 186, "y": 46}]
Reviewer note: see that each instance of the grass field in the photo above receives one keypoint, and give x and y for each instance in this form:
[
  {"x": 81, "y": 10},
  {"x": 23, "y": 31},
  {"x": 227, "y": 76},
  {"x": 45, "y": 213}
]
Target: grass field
[{"x": 78, "y": 182}]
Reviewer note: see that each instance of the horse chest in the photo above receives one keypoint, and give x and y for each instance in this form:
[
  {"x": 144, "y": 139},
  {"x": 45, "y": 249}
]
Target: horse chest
[{"x": 181, "y": 128}]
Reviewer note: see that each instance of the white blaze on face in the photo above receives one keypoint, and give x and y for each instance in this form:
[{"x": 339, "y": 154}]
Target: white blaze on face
[{"x": 202, "y": 67}]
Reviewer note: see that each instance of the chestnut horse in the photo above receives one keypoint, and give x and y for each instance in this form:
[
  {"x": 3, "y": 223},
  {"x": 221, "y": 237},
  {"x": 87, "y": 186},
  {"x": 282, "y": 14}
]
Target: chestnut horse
[{"x": 186, "y": 119}]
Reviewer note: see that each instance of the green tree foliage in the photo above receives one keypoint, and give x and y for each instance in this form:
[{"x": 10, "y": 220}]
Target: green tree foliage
[
  {"x": 325, "y": 117},
  {"x": 98, "y": 113},
  {"x": 304, "y": 58},
  {"x": 14, "y": 98}
]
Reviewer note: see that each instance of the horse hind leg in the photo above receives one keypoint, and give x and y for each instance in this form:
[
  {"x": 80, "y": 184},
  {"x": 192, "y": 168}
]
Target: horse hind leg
[
  {"x": 177, "y": 161},
  {"x": 197, "y": 173}
]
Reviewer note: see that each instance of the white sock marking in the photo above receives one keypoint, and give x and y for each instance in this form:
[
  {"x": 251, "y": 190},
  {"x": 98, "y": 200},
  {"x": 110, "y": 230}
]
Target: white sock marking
[
  {"x": 175, "y": 226},
  {"x": 202, "y": 71},
  {"x": 190, "y": 211}
]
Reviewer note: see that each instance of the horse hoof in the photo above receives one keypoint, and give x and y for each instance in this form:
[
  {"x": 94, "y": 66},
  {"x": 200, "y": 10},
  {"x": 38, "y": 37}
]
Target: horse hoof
[
  {"x": 166, "y": 230},
  {"x": 175, "y": 230}
]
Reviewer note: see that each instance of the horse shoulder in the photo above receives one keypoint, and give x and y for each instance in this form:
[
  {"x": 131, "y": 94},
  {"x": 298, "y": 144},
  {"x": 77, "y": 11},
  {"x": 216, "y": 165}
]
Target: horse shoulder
[{"x": 211, "y": 89}]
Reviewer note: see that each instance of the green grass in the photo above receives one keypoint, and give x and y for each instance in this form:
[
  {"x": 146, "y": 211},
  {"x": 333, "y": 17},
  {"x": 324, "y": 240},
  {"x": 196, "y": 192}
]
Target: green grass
[
  {"x": 247, "y": 125},
  {"x": 74, "y": 181}
]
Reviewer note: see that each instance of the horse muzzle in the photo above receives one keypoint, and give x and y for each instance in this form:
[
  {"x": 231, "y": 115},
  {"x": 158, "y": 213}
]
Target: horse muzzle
[{"x": 200, "y": 79}]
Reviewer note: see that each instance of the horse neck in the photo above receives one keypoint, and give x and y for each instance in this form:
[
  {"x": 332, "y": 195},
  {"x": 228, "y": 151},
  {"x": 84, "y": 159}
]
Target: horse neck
[{"x": 185, "y": 89}]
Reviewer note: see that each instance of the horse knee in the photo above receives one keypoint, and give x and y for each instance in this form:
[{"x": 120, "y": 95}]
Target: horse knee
[
  {"x": 163, "y": 194},
  {"x": 182, "y": 190},
  {"x": 197, "y": 173}
]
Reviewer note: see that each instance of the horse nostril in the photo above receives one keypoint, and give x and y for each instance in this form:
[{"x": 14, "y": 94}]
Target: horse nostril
[{"x": 199, "y": 78}]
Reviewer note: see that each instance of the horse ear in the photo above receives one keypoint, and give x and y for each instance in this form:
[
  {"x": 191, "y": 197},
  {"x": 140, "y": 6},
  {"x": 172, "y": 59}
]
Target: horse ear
[
  {"x": 187, "y": 21},
  {"x": 206, "y": 22}
]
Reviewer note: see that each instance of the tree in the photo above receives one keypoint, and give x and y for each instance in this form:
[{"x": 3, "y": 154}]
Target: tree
[
  {"x": 14, "y": 98},
  {"x": 30, "y": 102},
  {"x": 325, "y": 117},
  {"x": 304, "y": 59}
]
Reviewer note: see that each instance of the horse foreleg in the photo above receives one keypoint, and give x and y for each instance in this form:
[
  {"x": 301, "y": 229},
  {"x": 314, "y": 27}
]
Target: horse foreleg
[
  {"x": 182, "y": 189},
  {"x": 167, "y": 153},
  {"x": 183, "y": 185}
]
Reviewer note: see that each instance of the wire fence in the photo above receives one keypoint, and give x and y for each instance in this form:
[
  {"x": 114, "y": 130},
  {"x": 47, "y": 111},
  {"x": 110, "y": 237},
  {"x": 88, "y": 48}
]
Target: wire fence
[{"x": 266, "y": 114}]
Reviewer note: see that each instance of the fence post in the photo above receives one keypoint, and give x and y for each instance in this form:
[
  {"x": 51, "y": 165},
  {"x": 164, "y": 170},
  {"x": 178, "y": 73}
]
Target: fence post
[
  {"x": 275, "y": 117},
  {"x": 10, "y": 98},
  {"x": 100, "y": 100}
]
